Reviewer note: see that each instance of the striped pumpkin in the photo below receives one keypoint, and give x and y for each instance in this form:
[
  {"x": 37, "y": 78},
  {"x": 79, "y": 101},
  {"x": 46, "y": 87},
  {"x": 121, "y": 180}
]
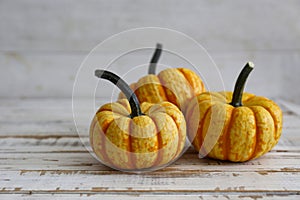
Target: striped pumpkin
[{"x": 128, "y": 136}]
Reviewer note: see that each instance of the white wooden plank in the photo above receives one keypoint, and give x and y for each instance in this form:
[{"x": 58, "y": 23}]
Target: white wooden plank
[
  {"x": 15, "y": 104},
  {"x": 139, "y": 196},
  {"x": 61, "y": 25},
  {"x": 51, "y": 108},
  {"x": 45, "y": 144},
  {"x": 83, "y": 162},
  {"x": 50, "y": 140},
  {"x": 60, "y": 128},
  {"x": 42, "y": 163},
  {"x": 291, "y": 105},
  {"x": 55, "y": 142},
  {"x": 291, "y": 122},
  {"x": 33, "y": 75},
  {"x": 61, "y": 107},
  {"x": 12, "y": 181},
  {"x": 289, "y": 141},
  {"x": 32, "y": 118},
  {"x": 29, "y": 142}
]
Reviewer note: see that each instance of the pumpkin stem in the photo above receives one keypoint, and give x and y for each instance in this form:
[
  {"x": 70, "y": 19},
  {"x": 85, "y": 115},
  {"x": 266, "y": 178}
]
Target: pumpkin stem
[
  {"x": 155, "y": 58},
  {"x": 240, "y": 84},
  {"x": 124, "y": 87}
]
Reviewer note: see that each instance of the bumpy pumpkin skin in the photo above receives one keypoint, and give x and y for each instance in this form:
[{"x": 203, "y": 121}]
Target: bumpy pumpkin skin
[
  {"x": 176, "y": 85},
  {"x": 233, "y": 133},
  {"x": 150, "y": 140}
]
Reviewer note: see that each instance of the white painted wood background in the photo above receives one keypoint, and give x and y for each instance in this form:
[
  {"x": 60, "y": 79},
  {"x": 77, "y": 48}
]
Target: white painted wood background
[
  {"x": 42, "y": 43},
  {"x": 41, "y": 157}
]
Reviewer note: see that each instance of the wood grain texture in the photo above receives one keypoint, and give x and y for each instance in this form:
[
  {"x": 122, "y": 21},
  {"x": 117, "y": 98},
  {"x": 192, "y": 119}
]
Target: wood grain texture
[
  {"x": 43, "y": 43},
  {"x": 177, "y": 196},
  {"x": 41, "y": 38},
  {"x": 74, "y": 25},
  {"x": 55, "y": 165},
  {"x": 33, "y": 74},
  {"x": 50, "y": 117},
  {"x": 160, "y": 182},
  {"x": 83, "y": 162}
]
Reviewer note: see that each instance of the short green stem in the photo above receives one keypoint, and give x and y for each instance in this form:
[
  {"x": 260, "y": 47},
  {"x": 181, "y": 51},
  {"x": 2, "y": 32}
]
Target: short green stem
[
  {"x": 154, "y": 59},
  {"x": 124, "y": 87},
  {"x": 240, "y": 84}
]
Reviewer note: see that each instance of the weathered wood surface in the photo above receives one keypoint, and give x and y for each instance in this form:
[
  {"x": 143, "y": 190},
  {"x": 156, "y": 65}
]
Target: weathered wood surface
[
  {"x": 178, "y": 196},
  {"x": 75, "y": 26},
  {"x": 50, "y": 37},
  {"x": 32, "y": 74},
  {"x": 41, "y": 156}
]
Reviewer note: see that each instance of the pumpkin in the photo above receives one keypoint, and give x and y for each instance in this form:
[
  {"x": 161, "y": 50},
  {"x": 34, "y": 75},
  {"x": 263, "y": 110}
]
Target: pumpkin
[
  {"x": 176, "y": 85},
  {"x": 127, "y": 135},
  {"x": 233, "y": 126}
]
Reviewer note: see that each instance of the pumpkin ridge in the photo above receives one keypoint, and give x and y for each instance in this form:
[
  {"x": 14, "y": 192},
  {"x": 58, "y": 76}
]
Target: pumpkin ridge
[
  {"x": 227, "y": 142},
  {"x": 123, "y": 104},
  {"x": 162, "y": 83},
  {"x": 146, "y": 111},
  {"x": 275, "y": 127},
  {"x": 273, "y": 117},
  {"x": 226, "y": 146},
  {"x": 256, "y": 131},
  {"x": 275, "y": 120},
  {"x": 163, "y": 88},
  {"x": 194, "y": 80},
  {"x": 104, "y": 153},
  {"x": 249, "y": 99},
  {"x": 179, "y": 137},
  {"x": 131, "y": 157},
  {"x": 180, "y": 70},
  {"x": 125, "y": 107},
  {"x": 110, "y": 110},
  {"x": 192, "y": 90},
  {"x": 217, "y": 96},
  {"x": 92, "y": 129},
  {"x": 153, "y": 110},
  {"x": 188, "y": 115},
  {"x": 159, "y": 145},
  {"x": 115, "y": 114},
  {"x": 201, "y": 126}
]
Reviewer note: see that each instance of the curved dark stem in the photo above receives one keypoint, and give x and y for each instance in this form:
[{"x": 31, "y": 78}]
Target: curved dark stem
[
  {"x": 124, "y": 87},
  {"x": 154, "y": 59},
  {"x": 240, "y": 84}
]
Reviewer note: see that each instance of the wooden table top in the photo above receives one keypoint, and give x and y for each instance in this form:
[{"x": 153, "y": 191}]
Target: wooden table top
[{"x": 42, "y": 157}]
